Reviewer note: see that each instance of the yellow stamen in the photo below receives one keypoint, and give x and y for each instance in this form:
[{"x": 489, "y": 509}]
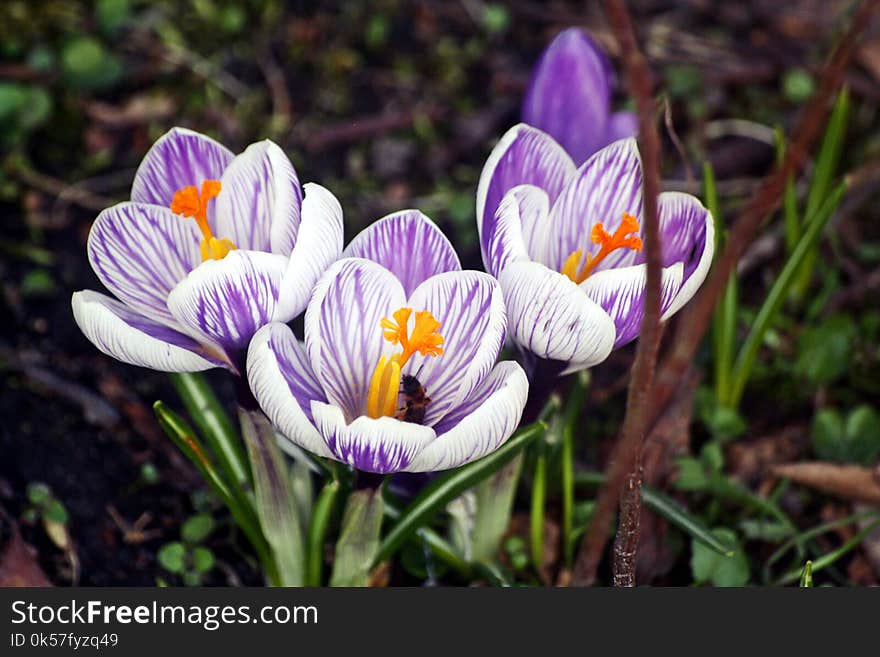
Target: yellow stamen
[
  {"x": 189, "y": 202},
  {"x": 424, "y": 339},
  {"x": 621, "y": 239}
]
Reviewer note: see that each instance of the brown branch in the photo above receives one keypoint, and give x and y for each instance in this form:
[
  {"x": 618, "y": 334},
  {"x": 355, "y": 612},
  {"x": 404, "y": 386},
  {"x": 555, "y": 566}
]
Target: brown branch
[
  {"x": 695, "y": 320},
  {"x": 626, "y": 459}
]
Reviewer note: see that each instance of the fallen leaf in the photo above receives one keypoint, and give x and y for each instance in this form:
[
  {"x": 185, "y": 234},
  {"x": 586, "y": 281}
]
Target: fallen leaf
[{"x": 852, "y": 482}]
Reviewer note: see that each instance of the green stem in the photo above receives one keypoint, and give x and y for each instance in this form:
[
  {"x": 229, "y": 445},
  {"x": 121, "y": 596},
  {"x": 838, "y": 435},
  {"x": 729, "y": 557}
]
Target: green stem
[
  {"x": 320, "y": 520},
  {"x": 827, "y": 559},
  {"x": 539, "y": 495}
]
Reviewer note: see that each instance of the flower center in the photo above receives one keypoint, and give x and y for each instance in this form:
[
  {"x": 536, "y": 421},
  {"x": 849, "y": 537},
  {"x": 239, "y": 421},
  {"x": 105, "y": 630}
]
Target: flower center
[
  {"x": 622, "y": 238},
  {"x": 424, "y": 338},
  {"x": 190, "y": 202}
]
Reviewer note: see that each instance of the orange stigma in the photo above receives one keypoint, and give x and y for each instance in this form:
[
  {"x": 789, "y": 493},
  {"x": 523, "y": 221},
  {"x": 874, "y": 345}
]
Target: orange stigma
[
  {"x": 424, "y": 338},
  {"x": 190, "y": 202},
  {"x": 622, "y": 238}
]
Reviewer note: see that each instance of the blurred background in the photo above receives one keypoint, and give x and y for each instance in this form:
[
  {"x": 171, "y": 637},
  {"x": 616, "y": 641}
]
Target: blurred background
[{"x": 394, "y": 104}]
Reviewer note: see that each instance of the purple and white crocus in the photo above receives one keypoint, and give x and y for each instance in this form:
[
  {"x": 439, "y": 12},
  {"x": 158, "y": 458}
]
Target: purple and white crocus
[
  {"x": 569, "y": 97},
  {"x": 211, "y": 247},
  {"x": 397, "y": 371},
  {"x": 565, "y": 245}
]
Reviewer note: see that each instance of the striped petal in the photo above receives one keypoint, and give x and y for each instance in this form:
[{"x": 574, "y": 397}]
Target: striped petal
[
  {"x": 687, "y": 235},
  {"x": 259, "y": 203},
  {"x": 481, "y": 424},
  {"x": 525, "y": 155},
  {"x": 517, "y": 235},
  {"x": 605, "y": 187},
  {"x": 228, "y": 300},
  {"x": 381, "y": 445},
  {"x": 284, "y": 385},
  {"x": 621, "y": 294},
  {"x": 342, "y": 329},
  {"x": 179, "y": 158},
  {"x": 470, "y": 308},
  {"x": 552, "y": 318},
  {"x": 140, "y": 252},
  {"x": 118, "y": 331},
  {"x": 408, "y": 244},
  {"x": 569, "y": 94},
  {"x": 318, "y": 245}
]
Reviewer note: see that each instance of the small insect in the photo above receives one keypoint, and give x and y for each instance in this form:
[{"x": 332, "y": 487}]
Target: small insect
[{"x": 415, "y": 400}]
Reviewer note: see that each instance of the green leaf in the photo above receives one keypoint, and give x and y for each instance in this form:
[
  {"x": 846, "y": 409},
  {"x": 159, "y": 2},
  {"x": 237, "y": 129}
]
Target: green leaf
[
  {"x": 203, "y": 559},
  {"x": 54, "y": 511},
  {"x": 276, "y": 506},
  {"x": 829, "y": 436},
  {"x": 829, "y": 154},
  {"x": 446, "y": 487},
  {"x": 797, "y": 85},
  {"x": 112, "y": 14},
  {"x": 215, "y": 425},
  {"x": 707, "y": 566},
  {"x": 86, "y": 64},
  {"x": 494, "y": 504},
  {"x": 197, "y": 528},
  {"x": 183, "y": 436},
  {"x": 38, "y": 493},
  {"x": 358, "y": 541},
  {"x": 172, "y": 557},
  {"x": 778, "y": 292},
  {"x": 807, "y": 575},
  {"x": 691, "y": 474},
  {"x": 317, "y": 532},
  {"x": 666, "y": 507},
  {"x": 825, "y": 351},
  {"x": 536, "y": 517},
  {"x": 863, "y": 435}
]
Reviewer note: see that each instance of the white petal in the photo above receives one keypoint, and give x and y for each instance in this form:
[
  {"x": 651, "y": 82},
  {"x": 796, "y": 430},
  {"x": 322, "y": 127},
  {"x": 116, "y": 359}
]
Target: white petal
[
  {"x": 283, "y": 384},
  {"x": 687, "y": 234},
  {"x": 621, "y": 294},
  {"x": 178, "y": 159},
  {"x": 120, "y": 332},
  {"x": 318, "y": 245},
  {"x": 343, "y": 332},
  {"x": 522, "y": 212},
  {"x": 408, "y": 244},
  {"x": 382, "y": 445},
  {"x": 524, "y": 155},
  {"x": 551, "y": 317},
  {"x": 140, "y": 252},
  {"x": 470, "y": 308},
  {"x": 259, "y": 204},
  {"x": 493, "y": 413},
  {"x": 605, "y": 187},
  {"x": 227, "y": 300}
]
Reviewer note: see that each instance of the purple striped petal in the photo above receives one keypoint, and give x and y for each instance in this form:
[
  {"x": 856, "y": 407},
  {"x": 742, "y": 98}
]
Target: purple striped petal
[
  {"x": 621, "y": 125},
  {"x": 228, "y": 300},
  {"x": 179, "y": 158},
  {"x": 552, "y": 318},
  {"x": 342, "y": 329},
  {"x": 687, "y": 235},
  {"x": 409, "y": 245},
  {"x": 604, "y": 188},
  {"x": 621, "y": 294},
  {"x": 126, "y": 335},
  {"x": 481, "y": 424},
  {"x": 382, "y": 445},
  {"x": 318, "y": 244},
  {"x": 518, "y": 235},
  {"x": 140, "y": 252},
  {"x": 470, "y": 308},
  {"x": 525, "y": 155},
  {"x": 284, "y": 385},
  {"x": 259, "y": 204},
  {"x": 569, "y": 94}
]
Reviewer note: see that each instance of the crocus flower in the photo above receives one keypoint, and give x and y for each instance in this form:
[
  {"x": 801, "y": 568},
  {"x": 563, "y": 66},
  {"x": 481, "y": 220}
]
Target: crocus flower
[
  {"x": 565, "y": 244},
  {"x": 211, "y": 247},
  {"x": 397, "y": 371},
  {"x": 569, "y": 96}
]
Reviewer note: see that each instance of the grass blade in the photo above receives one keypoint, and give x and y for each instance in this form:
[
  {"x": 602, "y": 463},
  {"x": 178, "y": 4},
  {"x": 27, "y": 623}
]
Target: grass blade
[
  {"x": 777, "y": 295},
  {"x": 450, "y": 485},
  {"x": 214, "y": 424}
]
